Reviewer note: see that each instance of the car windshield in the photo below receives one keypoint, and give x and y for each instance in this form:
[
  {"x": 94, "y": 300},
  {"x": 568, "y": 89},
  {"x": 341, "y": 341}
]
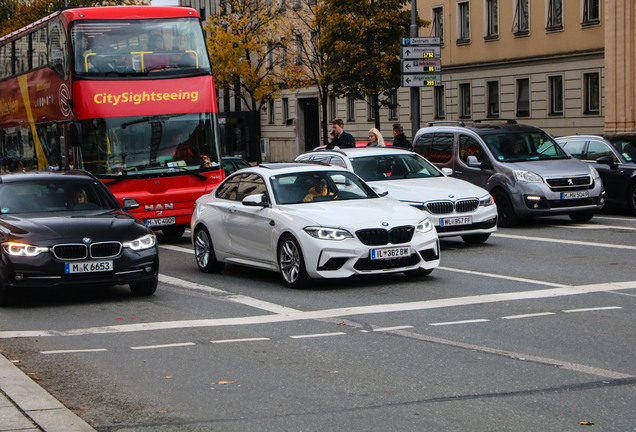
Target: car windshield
[
  {"x": 626, "y": 148},
  {"x": 57, "y": 195},
  {"x": 315, "y": 186},
  {"x": 523, "y": 146},
  {"x": 393, "y": 167}
]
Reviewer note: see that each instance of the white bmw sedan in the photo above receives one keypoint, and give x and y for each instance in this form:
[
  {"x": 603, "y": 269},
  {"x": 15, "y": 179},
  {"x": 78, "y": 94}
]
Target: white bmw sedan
[{"x": 308, "y": 221}]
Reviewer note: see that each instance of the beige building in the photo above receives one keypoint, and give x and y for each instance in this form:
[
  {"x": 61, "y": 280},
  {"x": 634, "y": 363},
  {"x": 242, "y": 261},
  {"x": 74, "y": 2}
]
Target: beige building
[{"x": 565, "y": 66}]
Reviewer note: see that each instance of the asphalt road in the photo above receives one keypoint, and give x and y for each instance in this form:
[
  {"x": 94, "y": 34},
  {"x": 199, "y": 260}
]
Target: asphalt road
[{"x": 533, "y": 330}]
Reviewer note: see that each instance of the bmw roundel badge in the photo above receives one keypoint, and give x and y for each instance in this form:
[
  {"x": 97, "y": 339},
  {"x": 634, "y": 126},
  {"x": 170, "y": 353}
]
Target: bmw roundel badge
[
  {"x": 385, "y": 224},
  {"x": 86, "y": 240}
]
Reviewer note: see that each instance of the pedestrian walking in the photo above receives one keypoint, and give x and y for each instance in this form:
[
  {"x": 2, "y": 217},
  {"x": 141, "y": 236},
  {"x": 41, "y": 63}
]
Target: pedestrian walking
[
  {"x": 375, "y": 138},
  {"x": 399, "y": 139}
]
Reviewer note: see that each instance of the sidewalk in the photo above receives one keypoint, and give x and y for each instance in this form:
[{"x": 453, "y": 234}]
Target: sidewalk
[{"x": 25, "y": 406}]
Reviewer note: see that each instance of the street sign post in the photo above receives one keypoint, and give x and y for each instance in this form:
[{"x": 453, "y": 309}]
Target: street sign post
[
  {"x": 420, "y": 66},
  {"x": 420, "y": 52},
  {"x": 417, "y": 80}
]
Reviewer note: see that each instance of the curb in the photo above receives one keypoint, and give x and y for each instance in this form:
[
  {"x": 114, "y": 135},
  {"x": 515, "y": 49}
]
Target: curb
[{"x": 35, "y": 405}]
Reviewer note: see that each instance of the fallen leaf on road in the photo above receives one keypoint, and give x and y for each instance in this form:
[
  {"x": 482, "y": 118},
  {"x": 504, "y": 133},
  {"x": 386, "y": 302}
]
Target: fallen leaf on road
[
  {"x": 225, "y": 382},
  {"x": 168, "y": 376},
  {"x": 83, "y": 408},
  {"x": 162, "y": 411},
  {"x": 586, "y": 423},
  {"x": 16, "y": 361},
  {"x": 342, "y": 323}
]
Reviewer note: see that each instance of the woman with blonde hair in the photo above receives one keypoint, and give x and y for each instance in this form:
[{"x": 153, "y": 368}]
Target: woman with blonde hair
[{"x": 375, "y": 138}]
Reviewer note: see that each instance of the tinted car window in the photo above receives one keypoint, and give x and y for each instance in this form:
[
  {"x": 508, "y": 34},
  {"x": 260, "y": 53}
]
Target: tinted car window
[
  {"x": 523, "y": 146},
  {"x": 250, "y": 184},
  {"x": 393, "y": 167},
  {"x": 597, "y": 149},
  {"x": 337, "y": 162},
  {"x": 575, "y": 148},
  {"x": 228, "y": 189},
  {"x": 442, "y": 148},
  {"x": 469, "y": 146},
  {"x": 626, "y": 149}
]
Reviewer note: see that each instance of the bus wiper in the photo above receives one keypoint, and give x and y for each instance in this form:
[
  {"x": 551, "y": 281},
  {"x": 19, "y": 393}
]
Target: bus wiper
[{"x": 194, "y": 173}]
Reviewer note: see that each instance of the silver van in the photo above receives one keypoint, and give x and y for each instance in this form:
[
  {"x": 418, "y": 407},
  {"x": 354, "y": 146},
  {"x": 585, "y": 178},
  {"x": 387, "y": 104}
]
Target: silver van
[{"x": 524, "y": 169}]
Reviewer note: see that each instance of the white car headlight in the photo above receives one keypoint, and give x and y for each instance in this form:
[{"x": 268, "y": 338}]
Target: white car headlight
[
  {"x": 424, "y": 226},
  {"x": 141, "y": 243},
  {"x": 486, "y": 201},
  {"x": 323, "y": 233},
  {"x": 527, "y": 176},
  {"x": 22, "y": 249},
  {"x": 594, "y": 173}
]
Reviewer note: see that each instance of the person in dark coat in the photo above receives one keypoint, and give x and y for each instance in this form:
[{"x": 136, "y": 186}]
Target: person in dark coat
[
  {"x": 338, "y": 137},
  {"x": 399, "y": 139}
]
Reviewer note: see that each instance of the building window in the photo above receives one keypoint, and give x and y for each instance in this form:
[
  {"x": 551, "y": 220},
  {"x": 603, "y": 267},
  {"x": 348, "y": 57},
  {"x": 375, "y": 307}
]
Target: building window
[
  {"x": 270, "y": 56},
  {"x": 521, "y": 21},
  {"x": 523, "y": 97},
  {"x": 393, "y": 110},
  {"x": 437, "y": 29},
  {"x": 351, "y": 109},
  {"x": 556, "y": 95},
  {"x": 270, "y": 112},
  {"x": 299, "y": 49},
  {"x": 370, "y": 112},
  {"x": 464, "y": 100},
  {"x": 283, "y": 54},
  {"x": 592, "y": 93},
  {"x": 296, "y": 5},
  {"x": 440, "y": 103},
  {"x": 492, "y": 19},
  {"x": 555, "y": 15},
  {"x": 493, "y": 98},
  {"x": 282, "y": 5},
  {"x": 591, "y": 12},
  {"x": 463, "y": 15},
  {"x": 333, "y": 110},
  {"x": 285, "y": 110}
]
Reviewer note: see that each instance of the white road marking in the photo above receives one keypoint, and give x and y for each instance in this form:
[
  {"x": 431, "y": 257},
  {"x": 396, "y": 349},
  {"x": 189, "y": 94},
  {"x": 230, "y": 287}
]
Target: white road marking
[
  {"x": 615, "y": 218},
  {"x": 317, "y": 335},
  {"x": 532, "y": 315},
  {"x": 592, "y": 309},
  {"x": 472, "y": 321},
  {"x": 496, "y": 276},
  {"x": 593, "y": 227},
  {"x": 177, "y": 248},
  {"x": 384, "y": 329},
  {"x": 173, "y": 345},
  {"x": 329, "y": 313},
  {"x": 574, "y": 242},
  {"x": 255, "y": 339},
  {"x": 74, "y": 351}
]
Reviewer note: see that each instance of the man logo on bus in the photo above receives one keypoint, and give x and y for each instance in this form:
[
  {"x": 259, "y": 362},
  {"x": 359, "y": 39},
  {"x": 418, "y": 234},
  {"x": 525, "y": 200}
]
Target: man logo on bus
[{"x": 159, "y": 207}]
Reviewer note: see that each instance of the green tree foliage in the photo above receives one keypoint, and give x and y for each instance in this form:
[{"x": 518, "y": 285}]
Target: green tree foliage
[
  {"x": 361, "y": 42},
  {"x": 15, "y": 14}
]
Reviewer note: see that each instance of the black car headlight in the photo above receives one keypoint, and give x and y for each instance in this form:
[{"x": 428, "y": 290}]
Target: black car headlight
[
  {"x": 23, "y": 249},
  {"x": 145, "y": 242},
  {"x": 323, "y": 233}
]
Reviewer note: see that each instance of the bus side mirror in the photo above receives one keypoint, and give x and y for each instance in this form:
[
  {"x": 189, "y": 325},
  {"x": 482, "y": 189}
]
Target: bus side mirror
[{"x": 75, "y": 134}]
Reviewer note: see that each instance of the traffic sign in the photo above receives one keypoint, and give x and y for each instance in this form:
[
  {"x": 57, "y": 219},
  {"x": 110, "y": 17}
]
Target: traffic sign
[
  {"x": 422, "y": 41},
  {"x": 419, "y": 66},
  {"x": 420, "y": 52},
  {"x": 421, "y": 80}
]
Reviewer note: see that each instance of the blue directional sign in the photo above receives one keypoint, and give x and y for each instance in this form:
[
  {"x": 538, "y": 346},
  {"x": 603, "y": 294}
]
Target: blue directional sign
[
  {"x": 435, "y": 40},
  {"x": 420, "y": 52},
  {"x": 420, "y": 66}
]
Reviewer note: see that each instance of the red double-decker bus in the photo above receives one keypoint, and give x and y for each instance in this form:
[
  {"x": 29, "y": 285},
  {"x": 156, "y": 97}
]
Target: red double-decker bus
[{"x": 124, "y": 92}]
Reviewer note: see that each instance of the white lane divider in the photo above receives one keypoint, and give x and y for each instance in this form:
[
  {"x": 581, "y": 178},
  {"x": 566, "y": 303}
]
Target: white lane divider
[
  {"x": 254, "y": 339},
  {"x": 317, "y": 335},
  {"x": 563, "y": 241},
  {"x": 172, "y": 345}
]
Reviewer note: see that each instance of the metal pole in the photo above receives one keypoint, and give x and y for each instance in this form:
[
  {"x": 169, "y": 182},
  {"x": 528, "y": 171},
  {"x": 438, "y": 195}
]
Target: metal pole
[{"x": 415, "y": 91}]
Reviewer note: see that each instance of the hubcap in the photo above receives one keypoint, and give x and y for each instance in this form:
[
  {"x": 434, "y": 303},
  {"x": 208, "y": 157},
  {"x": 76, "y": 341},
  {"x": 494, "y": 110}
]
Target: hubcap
[
  {"x": 289, "y": 261},
  {"x": 202, "y": 249}
]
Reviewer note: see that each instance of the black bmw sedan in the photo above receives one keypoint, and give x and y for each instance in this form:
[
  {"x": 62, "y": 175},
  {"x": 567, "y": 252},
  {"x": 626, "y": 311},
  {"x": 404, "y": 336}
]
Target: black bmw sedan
[{"x": 67, "y": 229}]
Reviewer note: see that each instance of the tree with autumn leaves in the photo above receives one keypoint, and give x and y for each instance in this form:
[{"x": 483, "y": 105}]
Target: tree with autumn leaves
[{"x": 15, "y": 14}]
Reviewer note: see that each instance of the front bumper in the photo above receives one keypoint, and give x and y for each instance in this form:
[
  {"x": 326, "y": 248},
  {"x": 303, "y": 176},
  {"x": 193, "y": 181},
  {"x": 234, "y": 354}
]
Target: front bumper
[
  {"x": 537, "y": 199},
  {"x": 44, "y": 270},
  {"x": 342, "y": 259}
]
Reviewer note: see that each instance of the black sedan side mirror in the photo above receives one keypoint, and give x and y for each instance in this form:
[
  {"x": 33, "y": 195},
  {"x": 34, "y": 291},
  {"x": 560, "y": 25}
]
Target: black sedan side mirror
[{"x": 607, "y": 160}]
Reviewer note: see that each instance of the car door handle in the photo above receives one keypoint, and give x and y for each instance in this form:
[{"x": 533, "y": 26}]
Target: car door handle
[
  {"x": 232, "y": 209},
  {"x": 458, "y": 172}
]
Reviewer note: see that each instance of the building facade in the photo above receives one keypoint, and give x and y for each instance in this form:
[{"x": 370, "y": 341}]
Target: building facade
[{"x": 567, "y": 67}]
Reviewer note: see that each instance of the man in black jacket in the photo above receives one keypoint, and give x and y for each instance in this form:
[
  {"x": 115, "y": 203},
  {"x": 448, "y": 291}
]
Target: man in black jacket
[
  {"x": 338, "y": 137},
  {"x": 399, "y": 139}
]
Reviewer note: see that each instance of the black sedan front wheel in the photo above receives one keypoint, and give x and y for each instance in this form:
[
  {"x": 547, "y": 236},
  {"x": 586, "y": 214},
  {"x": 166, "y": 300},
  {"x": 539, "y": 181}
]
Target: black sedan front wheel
[{"x": 291, "y": 262}]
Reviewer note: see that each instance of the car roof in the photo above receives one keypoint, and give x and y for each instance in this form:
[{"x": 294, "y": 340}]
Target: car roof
[
  {"x": 361, "y": 151},
  {"x": 479, "y": 126},
  {"x": 271, "y": 169},
  {"x": 45, "y": 175}
]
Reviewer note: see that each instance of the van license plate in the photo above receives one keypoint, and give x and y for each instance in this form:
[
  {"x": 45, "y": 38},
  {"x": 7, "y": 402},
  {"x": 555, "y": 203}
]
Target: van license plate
[
  {"x": 390, "y": 253},
  {"x": 574, "y": 195}
]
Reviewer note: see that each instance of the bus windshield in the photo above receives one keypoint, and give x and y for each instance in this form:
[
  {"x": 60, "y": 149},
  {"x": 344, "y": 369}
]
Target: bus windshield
[
  {"x": 149, "y": 145},
  {"x": 138, "y": 47}
]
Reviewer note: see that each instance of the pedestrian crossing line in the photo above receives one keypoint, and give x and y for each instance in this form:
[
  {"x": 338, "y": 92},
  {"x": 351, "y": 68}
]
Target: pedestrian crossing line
[
  {"x": 91, "y": 350},
  {"x": 254, "y": 339},
  {"x": 563, "y": 241},
  {"x": 172, "y": 345},
  {"x": 592, "y": 309}
]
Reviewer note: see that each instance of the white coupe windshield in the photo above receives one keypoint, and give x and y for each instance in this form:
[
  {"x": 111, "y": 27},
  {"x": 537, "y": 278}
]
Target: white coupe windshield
[{"x": 315, "y": 186}]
